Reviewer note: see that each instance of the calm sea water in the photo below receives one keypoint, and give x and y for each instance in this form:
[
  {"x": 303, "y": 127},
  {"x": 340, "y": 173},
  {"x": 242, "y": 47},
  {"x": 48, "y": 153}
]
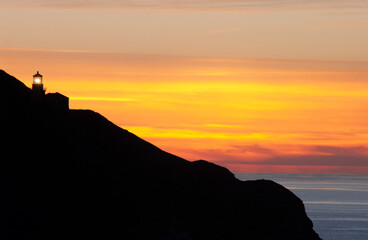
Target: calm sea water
[{"x": 337, "y": 204}]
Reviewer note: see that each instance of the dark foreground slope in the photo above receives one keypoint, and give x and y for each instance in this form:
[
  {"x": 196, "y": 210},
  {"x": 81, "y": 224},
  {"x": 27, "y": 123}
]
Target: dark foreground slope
[{"x": 72, "y": 174}]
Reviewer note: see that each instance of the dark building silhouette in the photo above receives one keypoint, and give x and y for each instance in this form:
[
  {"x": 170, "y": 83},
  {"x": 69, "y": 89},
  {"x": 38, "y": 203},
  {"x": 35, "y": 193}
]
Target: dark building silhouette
[{"x": 57, "y": 101}]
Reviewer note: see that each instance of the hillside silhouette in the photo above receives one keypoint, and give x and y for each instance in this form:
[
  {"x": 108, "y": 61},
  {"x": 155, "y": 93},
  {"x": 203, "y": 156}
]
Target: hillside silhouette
[{"x": 72, "y": 174}]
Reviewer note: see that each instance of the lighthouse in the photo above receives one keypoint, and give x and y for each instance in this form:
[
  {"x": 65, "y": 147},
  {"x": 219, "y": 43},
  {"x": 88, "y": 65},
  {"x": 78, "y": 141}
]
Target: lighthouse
[
  {"x": 37, "y": 86},
  {"x": 51, "y": 101}
]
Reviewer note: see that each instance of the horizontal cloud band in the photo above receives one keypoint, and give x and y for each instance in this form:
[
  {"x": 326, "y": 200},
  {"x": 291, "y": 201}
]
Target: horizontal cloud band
[{"x": 198, "y": 5}]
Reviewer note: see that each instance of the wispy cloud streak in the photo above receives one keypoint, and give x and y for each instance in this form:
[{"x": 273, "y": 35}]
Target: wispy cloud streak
[{"x": 198, "y": 5}]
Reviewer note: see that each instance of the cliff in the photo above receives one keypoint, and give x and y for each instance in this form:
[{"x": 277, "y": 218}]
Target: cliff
[{"x": 72, "y": 174}]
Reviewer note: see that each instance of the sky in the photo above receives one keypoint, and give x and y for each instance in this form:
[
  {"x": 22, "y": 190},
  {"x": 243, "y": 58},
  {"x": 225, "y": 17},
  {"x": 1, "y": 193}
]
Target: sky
[{"x": 255, "y": 86}]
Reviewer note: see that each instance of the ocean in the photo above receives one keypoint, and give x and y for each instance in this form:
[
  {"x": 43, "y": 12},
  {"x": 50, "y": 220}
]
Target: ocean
[{"x": 337, "y": 204}]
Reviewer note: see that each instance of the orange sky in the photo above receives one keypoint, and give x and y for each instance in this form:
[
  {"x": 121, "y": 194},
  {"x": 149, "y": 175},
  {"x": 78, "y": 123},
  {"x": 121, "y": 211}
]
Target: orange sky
[{"x": 258, "y": 88}]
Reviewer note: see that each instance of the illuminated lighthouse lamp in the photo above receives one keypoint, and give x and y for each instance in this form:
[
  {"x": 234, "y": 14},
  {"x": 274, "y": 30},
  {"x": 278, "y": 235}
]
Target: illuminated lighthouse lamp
[
  {"x": 37, "y": 78},
  {"x": 37, "y": 86}
]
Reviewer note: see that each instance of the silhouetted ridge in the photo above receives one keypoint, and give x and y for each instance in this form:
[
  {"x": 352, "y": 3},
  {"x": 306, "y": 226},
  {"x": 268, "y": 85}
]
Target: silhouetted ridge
[
  {"x": 73, "y": 174},
  {"x": 15, "y": 87}
]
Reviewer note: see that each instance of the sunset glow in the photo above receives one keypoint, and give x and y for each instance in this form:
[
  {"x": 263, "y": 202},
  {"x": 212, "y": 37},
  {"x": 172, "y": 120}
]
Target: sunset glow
[{"x": 266, "y": 89}]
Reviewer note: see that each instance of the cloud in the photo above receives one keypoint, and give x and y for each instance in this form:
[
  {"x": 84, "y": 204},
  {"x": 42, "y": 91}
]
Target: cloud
[
  {"x": 35, "y": 50},
  {"x": 329, "y": 156},
  {"x": 202, "y": 66},
  {"x": 355, "y": 156},
  {"x": 255, "y": 148},
  {"x": 196, "y": 5},
  {"x": 305, "y": 160},
  {"x": 342, "y": 151},
  {"x": 317, "y": 160},
  {"x": 104, "y": 99},
  {"x": 175, "y": 133}
]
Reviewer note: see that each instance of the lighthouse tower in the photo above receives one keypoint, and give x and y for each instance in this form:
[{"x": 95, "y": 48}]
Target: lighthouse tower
[{"x": 37, "y": 86}]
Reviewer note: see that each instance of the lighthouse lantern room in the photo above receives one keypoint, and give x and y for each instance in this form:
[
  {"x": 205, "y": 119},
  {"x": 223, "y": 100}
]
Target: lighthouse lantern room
[{"x": 37, "y": 86}]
